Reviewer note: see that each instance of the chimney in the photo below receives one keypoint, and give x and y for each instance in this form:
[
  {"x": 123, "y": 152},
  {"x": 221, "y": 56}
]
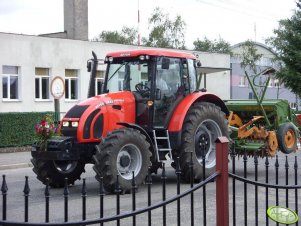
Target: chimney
[{"x": 76, "y": 19}]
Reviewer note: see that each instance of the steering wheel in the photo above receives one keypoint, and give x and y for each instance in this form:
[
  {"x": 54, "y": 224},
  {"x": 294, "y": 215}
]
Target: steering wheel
[{"x": 142, "y": 89}]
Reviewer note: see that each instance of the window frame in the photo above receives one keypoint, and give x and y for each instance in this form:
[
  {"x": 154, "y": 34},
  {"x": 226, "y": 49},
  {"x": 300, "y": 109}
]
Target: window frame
[
  {"x": 9, "y": 76},
  {"x": 68, "y": 80},
  {"x": 40, "y": 78}
]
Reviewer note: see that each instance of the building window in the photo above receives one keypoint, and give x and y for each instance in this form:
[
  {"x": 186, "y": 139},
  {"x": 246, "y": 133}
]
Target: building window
[
  {"x": 71, "y": 84},
  {"x": 100, "y": 75},
  {"x": 41, "y": 83},
  {"x": 243, "y": 81},
  {"x": 10, "y": 82},
  {"x": 276, "y": 83},
  {"x": 120, "y": 80},
  {"x": 293, "y": 105}
]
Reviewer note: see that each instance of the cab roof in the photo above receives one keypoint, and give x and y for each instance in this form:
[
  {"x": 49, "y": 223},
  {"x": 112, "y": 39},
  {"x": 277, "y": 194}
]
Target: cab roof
[{"x": 151, "y": 52}]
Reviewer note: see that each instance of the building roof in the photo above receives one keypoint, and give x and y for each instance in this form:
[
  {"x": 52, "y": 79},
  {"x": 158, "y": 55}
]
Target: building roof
[{"x": 256, "y": 44}]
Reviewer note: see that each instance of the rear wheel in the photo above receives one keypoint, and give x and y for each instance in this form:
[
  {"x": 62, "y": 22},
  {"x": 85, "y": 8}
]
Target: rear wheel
[
  {"x": 203, "y": 124},
  {"x": 287, "y": 138},
  {"x": 122, "y": 152},
  {"x": 57, "y": 171}
]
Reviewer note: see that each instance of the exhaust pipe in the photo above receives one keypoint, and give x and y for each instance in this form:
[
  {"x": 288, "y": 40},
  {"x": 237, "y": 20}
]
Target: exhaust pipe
[{"x": 92, "y": 67}]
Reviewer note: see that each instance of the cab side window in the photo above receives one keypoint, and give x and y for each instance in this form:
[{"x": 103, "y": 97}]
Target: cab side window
[{"x": 192, "y": 75}]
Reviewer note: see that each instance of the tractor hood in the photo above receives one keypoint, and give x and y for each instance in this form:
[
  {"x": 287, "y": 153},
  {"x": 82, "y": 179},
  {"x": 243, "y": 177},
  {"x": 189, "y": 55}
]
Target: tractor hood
[{"x": 93, "y": 118}]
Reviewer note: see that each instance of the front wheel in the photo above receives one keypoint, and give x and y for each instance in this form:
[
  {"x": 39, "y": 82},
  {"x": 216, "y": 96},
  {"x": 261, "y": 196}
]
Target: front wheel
[
  {"x": 123, "y": 152},
  {"x": 57, "y": 171},
  {"x": 203, "y": 124}
]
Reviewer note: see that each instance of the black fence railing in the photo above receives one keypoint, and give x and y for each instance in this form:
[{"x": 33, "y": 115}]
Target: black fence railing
[
  {"x": 120, "y": 215},
  {"x": 259, "y": 183}
]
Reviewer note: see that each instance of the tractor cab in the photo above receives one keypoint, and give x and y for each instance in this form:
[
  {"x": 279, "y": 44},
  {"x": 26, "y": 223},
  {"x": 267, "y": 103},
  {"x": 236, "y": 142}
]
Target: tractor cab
[{"x": 158, "y": 81}]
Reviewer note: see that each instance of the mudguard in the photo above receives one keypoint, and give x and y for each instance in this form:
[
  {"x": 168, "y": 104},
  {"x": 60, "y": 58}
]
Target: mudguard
[{"x": 177, "y": 120}]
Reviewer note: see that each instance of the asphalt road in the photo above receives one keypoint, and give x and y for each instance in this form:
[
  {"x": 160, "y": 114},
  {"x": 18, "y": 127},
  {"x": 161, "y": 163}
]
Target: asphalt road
[{"x": 16, "y": 178}]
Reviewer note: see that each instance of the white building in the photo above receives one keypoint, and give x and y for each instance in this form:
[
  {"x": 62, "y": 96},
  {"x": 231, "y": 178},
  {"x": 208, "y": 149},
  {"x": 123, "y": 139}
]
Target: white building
[{"x": 29, "y": 63}]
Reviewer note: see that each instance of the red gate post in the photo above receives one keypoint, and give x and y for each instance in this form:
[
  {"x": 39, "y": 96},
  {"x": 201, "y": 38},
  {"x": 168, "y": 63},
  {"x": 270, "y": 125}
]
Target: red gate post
[{"x": 222, "y": 188}]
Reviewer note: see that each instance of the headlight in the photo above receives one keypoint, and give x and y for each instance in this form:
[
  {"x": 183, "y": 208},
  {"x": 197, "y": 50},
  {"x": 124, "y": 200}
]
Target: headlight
[
  {"x": 65, "y": 123},
  {"x": 74, "y": 124}
]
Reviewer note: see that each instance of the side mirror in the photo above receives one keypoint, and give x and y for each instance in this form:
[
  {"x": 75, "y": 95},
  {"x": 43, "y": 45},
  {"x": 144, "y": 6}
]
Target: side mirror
[
  {"x": 165, "y": 63},
  {"x": 158, "y": 94},
  {"x": 89, "y": 66}
]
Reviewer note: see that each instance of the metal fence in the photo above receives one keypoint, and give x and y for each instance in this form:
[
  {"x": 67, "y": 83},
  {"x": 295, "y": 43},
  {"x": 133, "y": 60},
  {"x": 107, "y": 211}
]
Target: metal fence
[
  {"x": 220, "y": 177},
  {"x": 260, "y": 183},
  {"x": 257, "y": 184}
]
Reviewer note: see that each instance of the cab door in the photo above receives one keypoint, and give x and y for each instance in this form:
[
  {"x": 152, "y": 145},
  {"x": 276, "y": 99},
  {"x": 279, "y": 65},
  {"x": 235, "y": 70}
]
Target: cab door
[{"x": 169, "y": 90}]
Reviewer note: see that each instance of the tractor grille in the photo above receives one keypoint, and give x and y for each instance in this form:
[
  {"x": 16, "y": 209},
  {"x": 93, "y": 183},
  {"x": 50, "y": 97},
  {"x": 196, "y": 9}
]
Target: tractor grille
[{"x": 69, "y": 131}]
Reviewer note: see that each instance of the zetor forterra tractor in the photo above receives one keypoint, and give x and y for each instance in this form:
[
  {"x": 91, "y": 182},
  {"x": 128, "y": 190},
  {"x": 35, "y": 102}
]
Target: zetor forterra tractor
[{"x": 150, "y": 110}]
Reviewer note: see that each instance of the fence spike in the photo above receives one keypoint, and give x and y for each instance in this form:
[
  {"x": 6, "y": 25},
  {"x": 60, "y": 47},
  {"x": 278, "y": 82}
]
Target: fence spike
[
  {"x": 66, "y": 190},
  {"x": 66, "y": 193},
  {"x": 149, "y": 177},
  {"x": 134, "y": 185},
  {"x": 117, "y": 186},
  {"x": 178, "y": 167},
  {"x": 47, "y": 196},
  {"x": 4, "y": 188},
  {"x": 286, "y": 163},
  {"x": 267, "y": 163},
  {"x": 296, "y": 163},
  {"x": 276, "y": 162},
  {"x": 84, "y": 188},
  {"x": 101, "y": 198},
  {"x": 26, "y": 189},
  {"x": 134, "y": 188},
  {"x": 163, "y": 175},
  {"x": 101, "y": 187},
  {"x": 47, "y": 192},
  {"x": 245, "y": 158},
  {"x": 255, "y": 159},
  {"x": 84, "y": 196}
]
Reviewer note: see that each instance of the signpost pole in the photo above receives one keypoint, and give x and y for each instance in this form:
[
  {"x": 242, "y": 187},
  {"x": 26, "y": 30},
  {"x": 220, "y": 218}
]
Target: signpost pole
[{"x": 57, "y": 110}]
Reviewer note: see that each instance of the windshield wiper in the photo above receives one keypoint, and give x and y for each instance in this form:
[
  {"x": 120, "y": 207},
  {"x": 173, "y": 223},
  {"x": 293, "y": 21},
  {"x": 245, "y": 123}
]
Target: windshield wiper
[{"x": 124, "y": 63}]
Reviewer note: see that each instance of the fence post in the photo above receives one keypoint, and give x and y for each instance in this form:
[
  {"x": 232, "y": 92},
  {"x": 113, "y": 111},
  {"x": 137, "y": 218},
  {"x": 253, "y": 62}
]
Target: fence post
[{"x": 222, "y": 188}]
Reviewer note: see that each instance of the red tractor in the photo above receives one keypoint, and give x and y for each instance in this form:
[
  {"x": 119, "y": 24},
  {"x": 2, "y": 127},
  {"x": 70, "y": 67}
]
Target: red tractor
[{"x": 150, "y": 110}]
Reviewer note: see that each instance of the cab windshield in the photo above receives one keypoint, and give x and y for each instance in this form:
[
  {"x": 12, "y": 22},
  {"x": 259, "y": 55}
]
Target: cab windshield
[{"x": 126, "y": 75}]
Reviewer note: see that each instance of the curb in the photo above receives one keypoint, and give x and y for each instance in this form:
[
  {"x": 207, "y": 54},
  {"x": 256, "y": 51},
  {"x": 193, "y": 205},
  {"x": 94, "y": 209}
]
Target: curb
[{"x": 15, "y": 166}]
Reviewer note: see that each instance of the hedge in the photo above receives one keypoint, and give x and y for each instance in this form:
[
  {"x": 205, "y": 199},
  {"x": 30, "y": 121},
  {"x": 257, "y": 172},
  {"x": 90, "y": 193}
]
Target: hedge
[{"x": 18, "y": 128}]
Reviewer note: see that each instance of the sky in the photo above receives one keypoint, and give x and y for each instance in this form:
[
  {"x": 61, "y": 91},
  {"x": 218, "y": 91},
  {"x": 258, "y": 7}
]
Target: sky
[{"x": 233, "y": 20}]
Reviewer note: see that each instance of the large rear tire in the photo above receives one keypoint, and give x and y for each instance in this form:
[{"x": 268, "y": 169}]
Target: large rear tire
[
  {"x": 57, "y": 171},
  {"x": 122, "y": 152},
  {"x": 287, "y": 138},
  {"x": 203, "y": 124}
]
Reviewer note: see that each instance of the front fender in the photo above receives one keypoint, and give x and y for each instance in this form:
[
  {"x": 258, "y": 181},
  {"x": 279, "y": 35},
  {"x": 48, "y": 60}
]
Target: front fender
[{"x": 177, "y": 119}]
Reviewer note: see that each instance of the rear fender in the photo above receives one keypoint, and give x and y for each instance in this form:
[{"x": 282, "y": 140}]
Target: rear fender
[{"x": 177, "y": 120}]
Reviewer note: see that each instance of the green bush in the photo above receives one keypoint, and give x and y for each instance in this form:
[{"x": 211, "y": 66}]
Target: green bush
[{"x": 18, "y": 128}]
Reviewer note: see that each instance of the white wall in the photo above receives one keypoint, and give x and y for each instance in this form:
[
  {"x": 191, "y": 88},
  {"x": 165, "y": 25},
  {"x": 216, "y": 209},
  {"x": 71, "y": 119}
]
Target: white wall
[{"x": 29, "y": 52}]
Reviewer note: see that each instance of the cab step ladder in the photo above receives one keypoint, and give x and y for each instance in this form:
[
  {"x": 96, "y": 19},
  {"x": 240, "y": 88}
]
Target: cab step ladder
[{"x": 162, "y": 144}]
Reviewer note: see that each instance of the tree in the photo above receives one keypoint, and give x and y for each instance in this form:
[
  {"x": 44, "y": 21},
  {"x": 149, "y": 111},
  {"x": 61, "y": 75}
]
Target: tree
[
  {"x": 164, "y": 32},
  {"x": 127, "y": 36},
  {"x": 286, "y": 43},
  {"x": 249, "y": 56},
  {"x": 215, "y": 46}
]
